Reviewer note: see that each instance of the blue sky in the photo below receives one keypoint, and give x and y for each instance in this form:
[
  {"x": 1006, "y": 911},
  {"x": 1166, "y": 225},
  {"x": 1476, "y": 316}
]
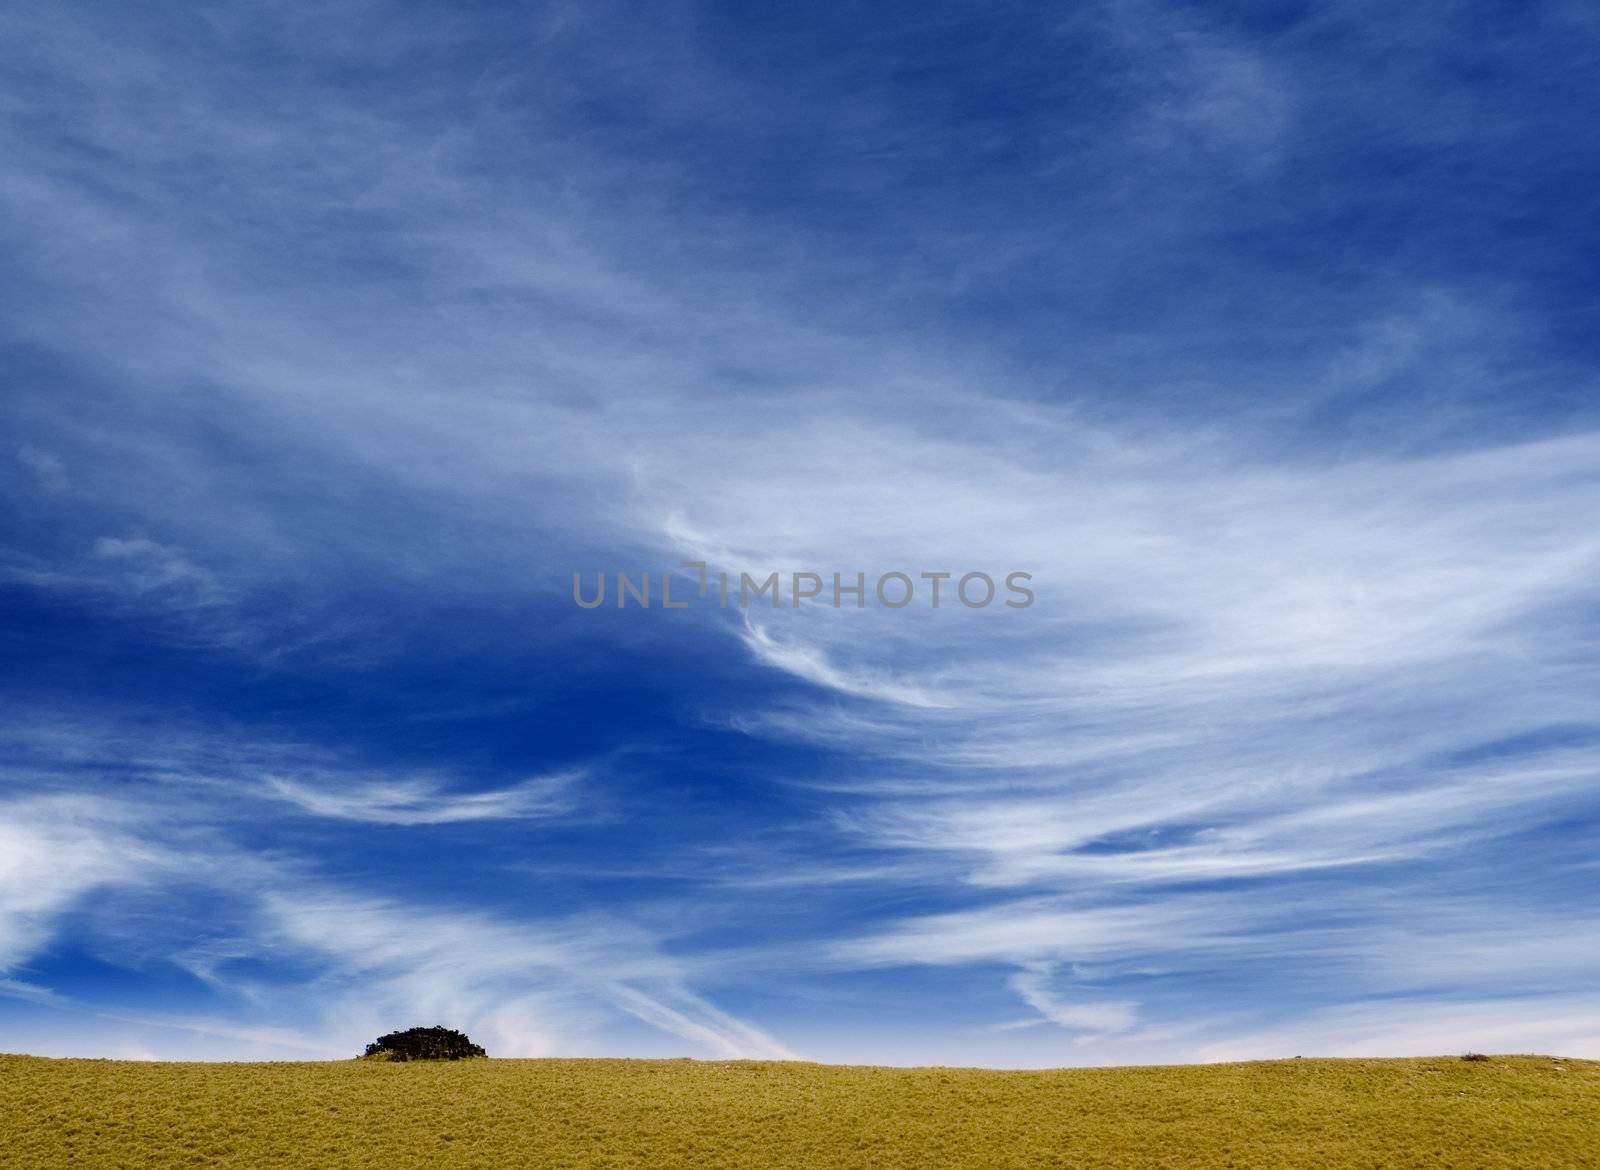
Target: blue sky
[{"x": 1264, "y": 336}]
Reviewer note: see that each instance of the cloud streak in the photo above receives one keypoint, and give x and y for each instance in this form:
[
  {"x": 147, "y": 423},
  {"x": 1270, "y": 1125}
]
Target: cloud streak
[{"x": 422, "y": 802}]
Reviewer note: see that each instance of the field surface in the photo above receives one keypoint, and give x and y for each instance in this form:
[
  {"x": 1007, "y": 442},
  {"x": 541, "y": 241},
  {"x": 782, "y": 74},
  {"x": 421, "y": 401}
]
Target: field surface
[{"x": 1521, "y": 1113}]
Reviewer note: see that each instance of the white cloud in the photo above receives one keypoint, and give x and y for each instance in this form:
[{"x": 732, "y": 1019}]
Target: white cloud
[
  {"x": 1557, "y": 1025},
  {"x": 526, "y": 983},
  {"x": 54, "y": 851},
  {"x": 524, "y": 986},
  {"x": 1078, "y": 1015},
  {"x": 424, "y": 801}
]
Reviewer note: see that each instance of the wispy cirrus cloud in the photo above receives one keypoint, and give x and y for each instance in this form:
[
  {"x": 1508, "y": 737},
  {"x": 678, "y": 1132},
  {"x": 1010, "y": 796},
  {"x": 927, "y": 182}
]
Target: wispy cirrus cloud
[
  {"x": 1342, "y": 670},
  {"x": 529, "y": 986},
  {"x": 423, "y": 801},
  {"x": 56, "y": 850},
  {"x": 393, "y": 959}
]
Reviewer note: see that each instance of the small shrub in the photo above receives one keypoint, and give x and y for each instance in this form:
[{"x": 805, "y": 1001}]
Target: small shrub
[
  {"x": 1474, "y": 1056},
  {"x": 423, "y": 1044}
]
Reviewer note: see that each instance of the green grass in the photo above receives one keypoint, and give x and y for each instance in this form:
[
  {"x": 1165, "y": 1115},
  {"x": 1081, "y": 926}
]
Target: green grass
[{"x": 1521, "y": 1113}]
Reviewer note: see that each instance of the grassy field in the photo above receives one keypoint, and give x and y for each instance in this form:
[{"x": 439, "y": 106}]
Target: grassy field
[{"x": 1521, "y": 1113}]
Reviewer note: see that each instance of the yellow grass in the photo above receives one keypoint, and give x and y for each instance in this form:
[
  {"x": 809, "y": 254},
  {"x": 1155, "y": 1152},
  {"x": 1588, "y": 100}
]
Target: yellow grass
[{"x": 1521, "y": 1113}]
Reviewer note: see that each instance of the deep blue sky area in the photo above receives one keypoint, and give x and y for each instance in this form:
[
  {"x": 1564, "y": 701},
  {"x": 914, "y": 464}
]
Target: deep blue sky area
[{"x": 334, "y": 340}]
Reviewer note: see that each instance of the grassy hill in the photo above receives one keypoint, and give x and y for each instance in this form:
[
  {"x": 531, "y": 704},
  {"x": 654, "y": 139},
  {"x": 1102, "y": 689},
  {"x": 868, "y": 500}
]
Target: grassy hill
[{"x": 1521, "y": 1113}]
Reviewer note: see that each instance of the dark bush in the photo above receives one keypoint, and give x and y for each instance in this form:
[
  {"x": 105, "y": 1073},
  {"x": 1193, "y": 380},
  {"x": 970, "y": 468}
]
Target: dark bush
[
  {"x": 424, "y": 1044},
  {"x": 1474, "y": 1056}
]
